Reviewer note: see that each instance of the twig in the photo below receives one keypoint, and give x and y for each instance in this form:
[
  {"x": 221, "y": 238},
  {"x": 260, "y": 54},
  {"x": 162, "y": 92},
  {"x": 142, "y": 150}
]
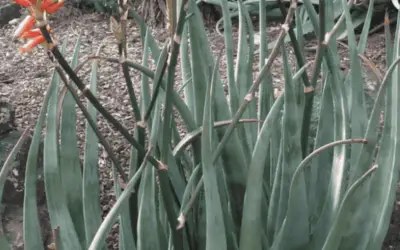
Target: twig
[{"x": 92, "y": 124}]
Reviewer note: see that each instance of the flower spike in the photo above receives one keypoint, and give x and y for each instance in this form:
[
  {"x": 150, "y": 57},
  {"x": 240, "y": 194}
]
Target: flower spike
[{"x": 38, "y": 12}]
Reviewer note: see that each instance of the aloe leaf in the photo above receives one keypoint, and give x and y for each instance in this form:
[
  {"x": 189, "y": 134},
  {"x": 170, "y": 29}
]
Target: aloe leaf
[
  {"x": 296, "y": 37},
  {"x": 319, "y": 176},
  {"x": 232, "y": 151},
  {"x": 139, "y": 130},
  {"x": 358, "y": 113},
  {"x": 366, "y": 27},
  {"x": 169, "y": 197},
  {"x": 340, "y": 123},
  {"x": 177, "y": 179},
  {"x": 32, "y": 236},
  {"x": 242, "y": 79},
  {"x": 157, "y": 79},
  {"x": 147, "y": 216},
  {"x": 361, "y": 157},
  {"x": 163, "y": 227},
  {"x": 215, "y": 227},
  {"x": 8, "y": 163},
  {"x": 148, "y": 220},
  {"x": 298, "y": 235},
  {"x": 199, "y": 75},
  {"x": 233, "y": 91},
  {"x": 126, "y": 240},
  {"x": 334, "y": 194},
  {"x": 133, "y": 202},
  {"x": 230, "y": 230},
  {"x": 300, "y": 67},
  {"x": 109, "y": 220},
  {"x": 250, "y": 235},
  {"x": 266, "y": 92},
  {"x": 272, "y": 227},
  {"x": 292, "y": 214},
  {"x": 187, "y": 70},
  {"x": 358, "y": 18},
  {"x": 341, "y": 220},
  {"x": 145, "y": 93},
  {"x": 70, "y": 165},
  {"x": 313, "y": 18},
  {"x": 382, "y": 199},
  {"x": 185, "y": 218},
  {"x": 91, "y": 184},
  {"x": 252, "y": 107},
  {"x": 145, "y": 99},
  {"x": 55, "y": 193}
]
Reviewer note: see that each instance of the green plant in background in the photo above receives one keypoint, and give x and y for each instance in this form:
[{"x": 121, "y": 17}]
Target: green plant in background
[
  {"x": 243, "y": 176},
  {"x": 5, "y": 170},
  {"x": 359, "y": 11}
]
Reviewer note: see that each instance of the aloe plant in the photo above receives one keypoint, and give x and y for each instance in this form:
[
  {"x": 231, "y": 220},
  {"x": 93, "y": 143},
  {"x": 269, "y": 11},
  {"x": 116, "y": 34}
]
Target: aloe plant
[{"x": 244, "y": 176}]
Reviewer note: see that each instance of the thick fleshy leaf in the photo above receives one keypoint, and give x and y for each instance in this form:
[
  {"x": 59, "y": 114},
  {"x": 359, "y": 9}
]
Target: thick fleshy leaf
[
  {"x": 341, "y": 220},
  {"x": 91, "y": 183},
  {"x": 70, "y": 165},
  {"x": 215, "y": 227},
  {"x": 55, "y": 193},
  {"x": 295, "y": 227},
  {"x": 250, "y": 236},
  {"x": 32, "y": 236},
  {"x": 386, "y": 177}
]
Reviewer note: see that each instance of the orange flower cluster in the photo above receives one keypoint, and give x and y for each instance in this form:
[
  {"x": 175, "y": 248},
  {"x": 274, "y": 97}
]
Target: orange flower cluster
[{"x": 28, "y": 27}]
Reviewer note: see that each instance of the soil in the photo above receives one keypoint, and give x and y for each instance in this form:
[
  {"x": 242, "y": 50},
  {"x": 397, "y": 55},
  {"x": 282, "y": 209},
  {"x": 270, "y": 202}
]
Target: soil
[{"x": 25, "y": 77}]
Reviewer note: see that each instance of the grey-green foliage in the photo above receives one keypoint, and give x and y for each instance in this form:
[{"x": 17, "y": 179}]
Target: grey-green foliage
[{"x": 237, "y": 178}]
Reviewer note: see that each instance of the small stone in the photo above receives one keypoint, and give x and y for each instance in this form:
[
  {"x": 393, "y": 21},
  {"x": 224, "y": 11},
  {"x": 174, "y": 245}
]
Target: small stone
[{"x": 13, "y": 21}]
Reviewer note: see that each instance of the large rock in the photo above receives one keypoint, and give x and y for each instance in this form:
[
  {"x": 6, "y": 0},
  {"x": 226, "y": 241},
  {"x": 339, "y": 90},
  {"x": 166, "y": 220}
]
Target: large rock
[
  {"x": 13, "y": 226},
  {"x": 13, "y": 193},
  {"x": 14, "y": 186},
  {"x": 9, "y": 12},
  {"x": 7, "y": 118}
]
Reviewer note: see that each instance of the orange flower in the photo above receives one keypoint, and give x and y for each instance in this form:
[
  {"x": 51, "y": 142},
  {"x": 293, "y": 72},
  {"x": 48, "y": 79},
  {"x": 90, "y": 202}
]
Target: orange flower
[
  {"x": 24, "y": 26},
  {"x": 54, "y": 7},
  {"x": 32, "y": 44},
  {"x": 32, "y": 33},
  {"x": 48, "y": 6},
  {"x": 24, "y": 3}
]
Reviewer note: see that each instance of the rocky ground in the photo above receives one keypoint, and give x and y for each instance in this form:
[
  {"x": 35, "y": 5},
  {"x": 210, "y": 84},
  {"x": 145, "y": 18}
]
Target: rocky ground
[{"x": 24, "y": 79}]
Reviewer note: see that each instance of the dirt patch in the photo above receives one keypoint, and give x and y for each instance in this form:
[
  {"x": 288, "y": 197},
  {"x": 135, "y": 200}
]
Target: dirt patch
[{"x": 24, "y": 79}]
